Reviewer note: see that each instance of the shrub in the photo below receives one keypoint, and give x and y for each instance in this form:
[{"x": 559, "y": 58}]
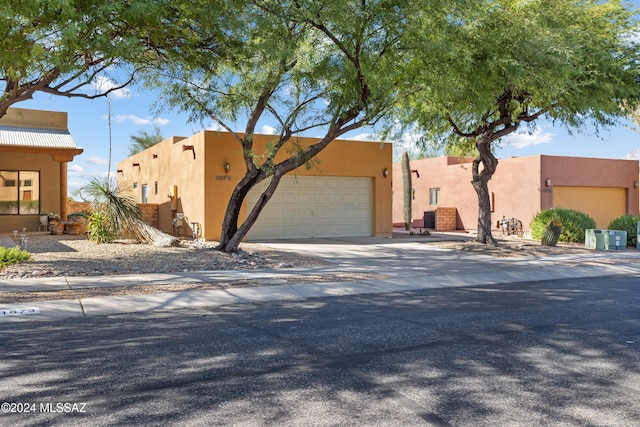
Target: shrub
[
  {"x": 99, "y": 228},
  {"x": 10, "y": 256},
  {"x": 573, "y": 223},
  {"x": 628, "y": 223}
]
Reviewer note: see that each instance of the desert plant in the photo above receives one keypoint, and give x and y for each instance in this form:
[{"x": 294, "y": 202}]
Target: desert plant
[
  {"x": 14, "y": 255},
  {"x": 551, "y": 234},
  {"x": 118, "y": 214},
  {"x": 99, "y": 228},
  {"x": 406, "y": 189},
  {"x": 628, "y": 223},
  {"x": 573, "y": 223}
]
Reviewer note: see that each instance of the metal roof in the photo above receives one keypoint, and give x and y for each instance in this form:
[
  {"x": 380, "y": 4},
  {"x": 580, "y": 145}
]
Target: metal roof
[{"x": 34, "y": 137}]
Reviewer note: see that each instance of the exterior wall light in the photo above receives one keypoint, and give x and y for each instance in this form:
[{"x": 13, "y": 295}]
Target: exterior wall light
[
  {"x": 547, "y": 183},
  {"x": 635, "y": 184},
  {"x": 385, "y": 172},
  {"x": 227, "y": 167}
]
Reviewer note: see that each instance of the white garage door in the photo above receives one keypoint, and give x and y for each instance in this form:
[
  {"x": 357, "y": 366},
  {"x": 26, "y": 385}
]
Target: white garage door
[{"x": 312, "y": 206}]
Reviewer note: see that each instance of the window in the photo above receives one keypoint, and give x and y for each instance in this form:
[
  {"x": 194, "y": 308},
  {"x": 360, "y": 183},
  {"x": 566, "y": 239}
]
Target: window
[
  {"x": 19, "y": 193},
  {"x": 145, "y": 193},
  {"x": 135, "y": 185},
  {"x": 434, "y": 196}
]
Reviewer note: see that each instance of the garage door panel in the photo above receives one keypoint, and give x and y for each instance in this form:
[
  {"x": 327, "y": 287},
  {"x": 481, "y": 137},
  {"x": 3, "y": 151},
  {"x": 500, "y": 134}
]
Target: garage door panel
[
  {"x": 601, "y": 203},
  {"x": 315, "y": 207}
]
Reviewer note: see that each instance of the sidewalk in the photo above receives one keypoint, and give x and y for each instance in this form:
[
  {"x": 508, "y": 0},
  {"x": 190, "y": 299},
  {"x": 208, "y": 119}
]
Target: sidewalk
[{"x": 405, "y": 263}]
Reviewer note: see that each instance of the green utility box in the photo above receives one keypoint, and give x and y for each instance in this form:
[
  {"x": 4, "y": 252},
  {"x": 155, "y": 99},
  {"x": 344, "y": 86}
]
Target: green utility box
[
  {"x": 594, "y": 239},
  {"x": 617, "y": 240},
  {"x": 605, "y": 239}
]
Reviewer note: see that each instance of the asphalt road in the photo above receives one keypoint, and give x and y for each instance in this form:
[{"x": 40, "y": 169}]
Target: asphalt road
[{"x": 560, "y": 353}]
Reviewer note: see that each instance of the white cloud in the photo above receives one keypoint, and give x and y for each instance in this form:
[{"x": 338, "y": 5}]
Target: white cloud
[
  {"x": 95, "y": 160},
  {"x": 363, "y": 137},
  {"x": 633, "y": 155},
  {"x": 525, "y": 139},
  {"x": 268, "y": 130},
  {"x": 121, "y": 118},
  {"x": 75, "y": 168},
  {"x": 104, "y": 83}
]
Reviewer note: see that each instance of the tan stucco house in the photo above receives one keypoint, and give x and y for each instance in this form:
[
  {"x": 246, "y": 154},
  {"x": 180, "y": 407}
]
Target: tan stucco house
[
  {"x": 520, "y": 188},
  {"x": 347, "y": 193},
  {"x": 35, "y": 147}
]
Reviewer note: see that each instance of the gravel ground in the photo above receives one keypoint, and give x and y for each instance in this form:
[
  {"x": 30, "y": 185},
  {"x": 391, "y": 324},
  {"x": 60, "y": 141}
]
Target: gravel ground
[{"x": 65, "y": 255}]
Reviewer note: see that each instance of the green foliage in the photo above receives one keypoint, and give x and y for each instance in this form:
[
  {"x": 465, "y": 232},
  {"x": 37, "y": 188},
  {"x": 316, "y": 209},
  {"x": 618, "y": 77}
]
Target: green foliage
[
  {"x": 14, "y": 255},
  {"x": 628, "y": 223},
  {"x": 143, "y": 140},
  {"x": 62, "y": 47},
  {"x": 99, "y": 228},
  {"x": 573, "y": 223},
  {"x": 117, "y": 211}
]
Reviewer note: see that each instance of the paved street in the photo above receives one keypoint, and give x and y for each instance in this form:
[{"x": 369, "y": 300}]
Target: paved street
[{"x": 561, "y": 353}]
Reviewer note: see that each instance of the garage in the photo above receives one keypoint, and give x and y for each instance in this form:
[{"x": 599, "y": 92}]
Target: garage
[
  {"x": 314, "y": 206},
  {"x": 601, "y": 203}
]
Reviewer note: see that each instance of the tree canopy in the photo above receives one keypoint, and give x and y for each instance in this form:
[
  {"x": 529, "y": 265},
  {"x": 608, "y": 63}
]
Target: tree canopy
[
  {"x": 329, "y": 67},
  {"x": 62, "y": 47},
  {"x": 143, "y": 140},
  {"x": 507, "y": 62}
]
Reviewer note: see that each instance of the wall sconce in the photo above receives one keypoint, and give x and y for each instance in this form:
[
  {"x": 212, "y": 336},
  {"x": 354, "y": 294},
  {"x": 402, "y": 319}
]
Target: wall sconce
[
  {"x": 385, "y": 172},
  {"x": 227, "y": 167},
  {"x": 635, "y": 184},
  {"x": 547, "y": 183},
  {"x": 189, "y": 148}
]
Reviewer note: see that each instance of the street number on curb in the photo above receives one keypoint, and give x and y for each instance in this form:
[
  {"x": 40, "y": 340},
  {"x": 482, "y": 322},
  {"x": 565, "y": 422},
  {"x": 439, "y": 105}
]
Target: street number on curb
[{"x": 19, "y": 311}]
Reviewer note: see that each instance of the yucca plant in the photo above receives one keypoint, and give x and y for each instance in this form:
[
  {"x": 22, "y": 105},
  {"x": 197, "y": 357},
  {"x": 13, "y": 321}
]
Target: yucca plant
[{"x": 120, "y": 214}]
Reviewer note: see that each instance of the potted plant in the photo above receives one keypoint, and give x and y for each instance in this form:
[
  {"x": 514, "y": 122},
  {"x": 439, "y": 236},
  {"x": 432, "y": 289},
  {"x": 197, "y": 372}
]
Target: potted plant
[
  {"x": 79, "y": 218},
  {"x": 72, "y": 227}
]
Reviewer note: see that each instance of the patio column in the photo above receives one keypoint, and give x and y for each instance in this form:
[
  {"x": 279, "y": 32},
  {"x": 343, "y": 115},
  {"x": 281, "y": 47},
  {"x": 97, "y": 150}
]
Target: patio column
[{"x": 63, "y": 191}]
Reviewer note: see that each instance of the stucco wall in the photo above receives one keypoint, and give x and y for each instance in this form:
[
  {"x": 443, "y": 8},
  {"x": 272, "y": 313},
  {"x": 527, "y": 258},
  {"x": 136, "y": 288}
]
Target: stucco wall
[
  {"x": 518, "y": 187},
  {"x": 587, "y": 172},
  {"x": 49, "y": 187},
  {"x": 204, "y": 187}
]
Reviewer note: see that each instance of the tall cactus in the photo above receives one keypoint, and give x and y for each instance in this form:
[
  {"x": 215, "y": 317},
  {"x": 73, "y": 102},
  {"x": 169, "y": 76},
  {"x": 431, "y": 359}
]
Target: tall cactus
[{"x": 406, "y": 186}]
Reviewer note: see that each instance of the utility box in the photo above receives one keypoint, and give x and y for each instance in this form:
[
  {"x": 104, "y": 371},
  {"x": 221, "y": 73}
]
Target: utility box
[
  {"x": 638, "y": 237},
  {"x": 594, "y": 239},
  {"x": 617, "y": 240}
]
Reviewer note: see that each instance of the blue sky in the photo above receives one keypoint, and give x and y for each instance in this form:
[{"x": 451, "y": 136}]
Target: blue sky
[{"x": 131, "y": 112}]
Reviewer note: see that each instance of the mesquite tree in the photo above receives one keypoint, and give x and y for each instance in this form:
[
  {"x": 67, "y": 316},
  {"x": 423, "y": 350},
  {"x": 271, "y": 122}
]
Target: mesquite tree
[
  {"x": 326, "y": 67},
  {"x": 509, "y": 62},
  {"x": 84, "y": 49}
]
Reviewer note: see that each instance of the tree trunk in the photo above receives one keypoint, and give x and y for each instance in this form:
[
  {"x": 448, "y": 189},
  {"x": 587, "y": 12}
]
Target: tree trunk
[
  {"x": 231, "y": 215},
  {"x": 480, "y": 183},
  {"x": 232, "y": 235}
]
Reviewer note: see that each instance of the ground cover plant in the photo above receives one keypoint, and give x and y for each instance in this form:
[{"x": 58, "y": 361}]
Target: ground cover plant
[{"x": 10, "y": 256}]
